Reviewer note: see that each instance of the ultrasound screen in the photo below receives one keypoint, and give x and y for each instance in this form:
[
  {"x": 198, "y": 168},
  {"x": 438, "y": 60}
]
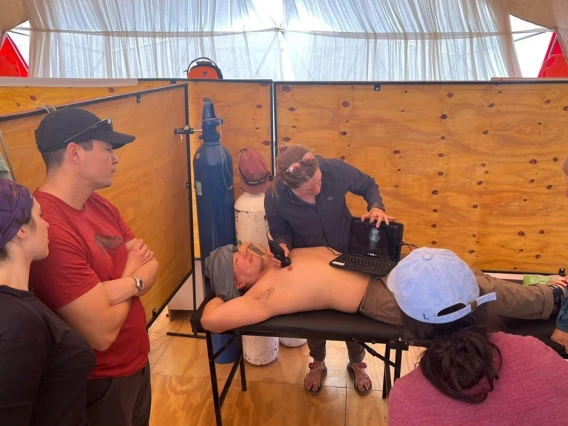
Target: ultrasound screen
[{"x": 367, "y": 239}]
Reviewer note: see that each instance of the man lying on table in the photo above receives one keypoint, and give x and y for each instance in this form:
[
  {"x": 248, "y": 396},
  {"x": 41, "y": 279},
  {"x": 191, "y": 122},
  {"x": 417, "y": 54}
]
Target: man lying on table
[{"x": 250, "y": 289}]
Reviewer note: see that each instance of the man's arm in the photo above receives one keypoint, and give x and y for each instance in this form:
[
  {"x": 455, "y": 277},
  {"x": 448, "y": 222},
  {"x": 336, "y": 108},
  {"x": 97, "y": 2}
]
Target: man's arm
[
  {"x": 124, "y": 288},
  {"x": 219, "y": 316},
  {"x": 68, "y": 285},
  {"x": 95, "y": 318}
]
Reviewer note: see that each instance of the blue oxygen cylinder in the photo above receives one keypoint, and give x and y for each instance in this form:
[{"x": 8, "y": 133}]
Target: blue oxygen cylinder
[{"x": 213, "y": 171}]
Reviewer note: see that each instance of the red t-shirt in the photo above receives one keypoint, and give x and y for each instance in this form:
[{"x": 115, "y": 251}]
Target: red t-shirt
[
  {"x": 531, "y": 390},
  {"x": 87, "y": 247}
]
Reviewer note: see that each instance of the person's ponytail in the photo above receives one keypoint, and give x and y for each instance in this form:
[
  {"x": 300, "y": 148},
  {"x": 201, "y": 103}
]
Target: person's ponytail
[
  {"x": 462, "y": 366},
  {"x": 460, "y": 360}
]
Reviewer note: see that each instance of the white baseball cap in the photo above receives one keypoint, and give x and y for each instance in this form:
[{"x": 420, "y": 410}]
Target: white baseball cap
[{"x": 428, "y": 280}]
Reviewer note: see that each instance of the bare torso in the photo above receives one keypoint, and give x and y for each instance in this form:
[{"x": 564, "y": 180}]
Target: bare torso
[{"x": 310, "y": 283}]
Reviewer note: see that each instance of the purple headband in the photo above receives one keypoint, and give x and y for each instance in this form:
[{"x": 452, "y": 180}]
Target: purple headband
[{"x": 16, "y": 204}]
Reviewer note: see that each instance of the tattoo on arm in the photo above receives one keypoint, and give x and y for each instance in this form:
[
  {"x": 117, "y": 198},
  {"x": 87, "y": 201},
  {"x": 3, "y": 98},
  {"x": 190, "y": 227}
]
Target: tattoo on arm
[{"x": 256, "y": 250}]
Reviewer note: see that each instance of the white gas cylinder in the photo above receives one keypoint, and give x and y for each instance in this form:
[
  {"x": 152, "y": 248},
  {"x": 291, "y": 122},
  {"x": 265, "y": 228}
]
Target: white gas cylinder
[
  {"x": 251, "y": 227},
  {"x": 292, "y": 343}
]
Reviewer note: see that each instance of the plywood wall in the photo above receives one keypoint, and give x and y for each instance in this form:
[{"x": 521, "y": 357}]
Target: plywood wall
[
  {"x": 245, "y": 110},
  {"x": 474, "y": 168},
  {"x": 22, "y": 98},
  {"x": 150, "y": 184}
]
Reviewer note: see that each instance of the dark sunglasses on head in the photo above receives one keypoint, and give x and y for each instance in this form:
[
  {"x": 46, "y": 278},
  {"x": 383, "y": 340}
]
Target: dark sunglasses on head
[
  {"x": 295, "y": 168},
  {"x": 105, "y": 122}
]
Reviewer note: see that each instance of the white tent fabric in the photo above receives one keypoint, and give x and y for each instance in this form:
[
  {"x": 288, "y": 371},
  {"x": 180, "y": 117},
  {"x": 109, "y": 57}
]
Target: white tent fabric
[{"x": 333, "y": 40}]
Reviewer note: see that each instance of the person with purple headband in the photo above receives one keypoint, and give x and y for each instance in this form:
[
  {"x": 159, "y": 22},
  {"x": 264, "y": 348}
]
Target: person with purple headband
[{"x": 44, "y": 363}]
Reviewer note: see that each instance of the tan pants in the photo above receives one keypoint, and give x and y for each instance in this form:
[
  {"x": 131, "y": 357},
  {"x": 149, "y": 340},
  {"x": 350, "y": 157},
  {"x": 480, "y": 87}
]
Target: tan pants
[{"x": 513, "y": 300}]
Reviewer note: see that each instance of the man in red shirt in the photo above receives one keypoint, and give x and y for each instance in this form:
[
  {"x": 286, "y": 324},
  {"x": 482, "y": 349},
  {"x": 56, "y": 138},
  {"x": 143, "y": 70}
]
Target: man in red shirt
[{"x": 96, "y": 269}]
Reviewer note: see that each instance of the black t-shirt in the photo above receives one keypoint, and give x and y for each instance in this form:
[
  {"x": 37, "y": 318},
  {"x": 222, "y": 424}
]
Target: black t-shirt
[{"x": 44, "y": 364}]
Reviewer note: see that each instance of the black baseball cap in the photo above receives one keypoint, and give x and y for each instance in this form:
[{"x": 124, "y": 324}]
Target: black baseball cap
[{"x": 63, "y": 126}]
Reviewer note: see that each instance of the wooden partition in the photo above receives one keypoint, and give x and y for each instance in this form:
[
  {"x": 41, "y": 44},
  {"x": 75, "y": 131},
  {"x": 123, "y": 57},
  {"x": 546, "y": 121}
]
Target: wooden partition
[
  {"x": 246, "y": 110},
  {"x": 150, "y": 184},
  {"x": 472, "y": 167},
  {"x": 16, "y": 99}
]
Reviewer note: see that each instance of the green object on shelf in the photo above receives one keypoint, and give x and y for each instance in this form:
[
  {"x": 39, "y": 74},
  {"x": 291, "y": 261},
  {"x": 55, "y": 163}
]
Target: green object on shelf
[{"x": 535, "y": 279}]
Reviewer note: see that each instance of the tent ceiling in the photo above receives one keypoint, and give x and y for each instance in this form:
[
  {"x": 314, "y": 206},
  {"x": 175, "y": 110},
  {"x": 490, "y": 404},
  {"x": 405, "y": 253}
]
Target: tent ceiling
[{"x": 546, "y": 13}]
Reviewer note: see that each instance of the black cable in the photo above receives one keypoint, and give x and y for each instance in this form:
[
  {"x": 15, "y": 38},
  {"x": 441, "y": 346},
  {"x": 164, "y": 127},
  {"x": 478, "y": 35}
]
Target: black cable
[{"x": 409, "y": 245}]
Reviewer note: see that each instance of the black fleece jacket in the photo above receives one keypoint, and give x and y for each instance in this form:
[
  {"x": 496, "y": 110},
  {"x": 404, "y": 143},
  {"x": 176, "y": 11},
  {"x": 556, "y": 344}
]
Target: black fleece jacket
[{"x": 299, "y": 224}]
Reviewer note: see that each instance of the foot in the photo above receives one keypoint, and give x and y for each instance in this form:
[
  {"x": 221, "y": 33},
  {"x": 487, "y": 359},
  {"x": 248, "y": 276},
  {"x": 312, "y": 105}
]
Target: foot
[
  {"x": 558, "y": 287},
  {"x": 312, "y": 381},
  {"x": 560, "y": 337},
  {"x": 361, "y": 380}
]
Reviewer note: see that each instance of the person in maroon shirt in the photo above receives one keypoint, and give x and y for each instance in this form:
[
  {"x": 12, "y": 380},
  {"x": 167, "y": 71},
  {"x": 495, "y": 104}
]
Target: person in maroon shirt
[
  {"x": 96, "y": 269},
  {"x": 469, "y": 374},
  {"x": 44, "y": 363}
]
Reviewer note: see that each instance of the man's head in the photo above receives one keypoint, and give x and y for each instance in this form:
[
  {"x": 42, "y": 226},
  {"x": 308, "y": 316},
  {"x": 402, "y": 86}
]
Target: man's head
[
  {"x": 232, "y": 272},
  {"x": 78, "y": 140}
]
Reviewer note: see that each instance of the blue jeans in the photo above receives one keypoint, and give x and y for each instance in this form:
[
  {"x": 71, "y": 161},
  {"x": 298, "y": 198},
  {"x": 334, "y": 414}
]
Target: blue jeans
[{"x": 562, "y": 318}]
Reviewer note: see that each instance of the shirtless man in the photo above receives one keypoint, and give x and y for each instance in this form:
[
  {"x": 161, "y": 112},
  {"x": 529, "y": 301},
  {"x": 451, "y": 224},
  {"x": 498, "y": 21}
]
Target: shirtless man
[{"x": 310, "y": 283}]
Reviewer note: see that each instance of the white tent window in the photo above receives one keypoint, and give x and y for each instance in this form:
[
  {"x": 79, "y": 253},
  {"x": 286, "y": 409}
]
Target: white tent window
[{"x": 323, "y": 40}]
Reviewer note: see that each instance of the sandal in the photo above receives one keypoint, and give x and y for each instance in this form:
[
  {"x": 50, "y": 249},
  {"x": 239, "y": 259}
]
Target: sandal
[
  {"x": 312, "y": 376},
  {"x": 360, "y": 367}
]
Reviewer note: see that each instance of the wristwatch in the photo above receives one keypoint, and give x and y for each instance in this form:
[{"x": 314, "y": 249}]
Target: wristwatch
[{"x": 139, "y": 284}]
